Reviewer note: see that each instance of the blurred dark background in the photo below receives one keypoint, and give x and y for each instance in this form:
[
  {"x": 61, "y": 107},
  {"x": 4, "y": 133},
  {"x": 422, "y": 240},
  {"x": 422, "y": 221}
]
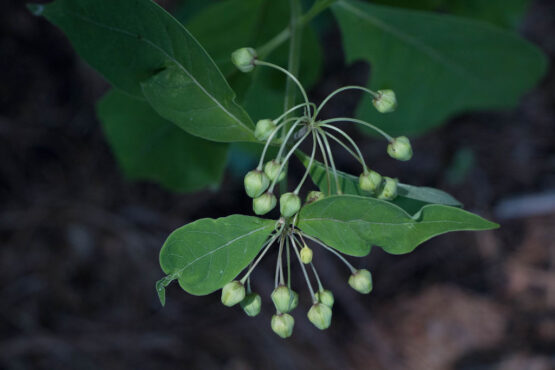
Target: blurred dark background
[{"x": 79, "y": 244}]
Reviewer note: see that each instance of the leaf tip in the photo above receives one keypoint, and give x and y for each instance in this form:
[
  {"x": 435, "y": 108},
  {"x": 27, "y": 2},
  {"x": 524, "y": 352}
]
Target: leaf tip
[{"x": 36, "y": 9}]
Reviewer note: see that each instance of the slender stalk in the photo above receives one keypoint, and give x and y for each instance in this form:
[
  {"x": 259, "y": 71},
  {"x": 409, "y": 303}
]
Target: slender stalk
[
  {"x": 267, "y": 246},
  {"x": 292, "y": 110},
  {"x": 286, "y": 139},
  {"x": 320, "y": 286},
  {"x": 364, "y": 123},
  {"x": 271, "y": 189},
  {"x": 333, "y": 168},
  {"x": 353, "y": 270},
  {"x": 312, "y": 295},
  {"x": 358, "y": 156},
  {"x": 324, "y": 157},
  {"x": 298, "y": 188},
  {"x": 267, "y": 145},
  {"x": 288, "y": 264},
  {"x": 351, "y": 87}
]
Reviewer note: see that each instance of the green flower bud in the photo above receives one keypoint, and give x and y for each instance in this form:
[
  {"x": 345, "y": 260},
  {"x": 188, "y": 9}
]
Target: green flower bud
[
  {"x": 386, "y": 101},
  {"x": 264, "y": 129},
  {"x": 370, "y": 181},
  {"x": 295, "y": 301},
  {"x": 314, "y": 196},
  {"x": 326, "y": 297},
  {"x": 361, "y": 281},
  {"x": 233, "y": 293},
  {"x": 283, "y": 298},
  {"x": 256, "y": 183},
  {"x": 289, "y": 204},
  {"x": 282, "y": 325},
  {"x": 320, "y": 315},
  {"x": 271, "y": 169},
  {"x": 389, "y": 189},
  {"x": 306, "y": 255},
  {"x": 252, "y": 304},
  {"x": 244, "y": 59},
  {"x": 264, "y": 203},
  {"x": 400, "y": 149}
]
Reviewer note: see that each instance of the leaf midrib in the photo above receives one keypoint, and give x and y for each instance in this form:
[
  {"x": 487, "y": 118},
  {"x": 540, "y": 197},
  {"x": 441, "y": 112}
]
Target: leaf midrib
[{"x": 163, "y": 52}]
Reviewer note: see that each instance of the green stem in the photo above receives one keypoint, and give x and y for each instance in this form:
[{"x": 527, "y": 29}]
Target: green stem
[
  {"x": 350, "y": 140},
  {"x": 298, "y": 188},
  {"x": 353, "y": 270},
  {"x": 351, "y": 87},
  {"x": 360, "y": 122},
  {"x": 332, "y": 162},
  {"x": 312, "y": 295}
]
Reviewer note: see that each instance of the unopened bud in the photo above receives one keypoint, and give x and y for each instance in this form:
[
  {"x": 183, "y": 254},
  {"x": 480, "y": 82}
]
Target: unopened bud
[
  {"x": 264, "y": 129},
  {"x": 283, "y": 298},
  {"x": 326, "y": 297},
  {"x": 282, "y": 325},
  {"x": 389, "y": 189},
  {"x": 256, "y": 183},
  {"x": 252, "y": 304},
  {"x": 320, "y": 315},
  {"x": 400, "y": 148},
  {"x": 386, "y": 101},
  {"x": 264, "y": 203},
  {"x": 295, "y": 301},
  {"x": 361, "y": 281},
  {"x": 271, "y": 169},
  {"x": 244, "y": 59},
  {"x": 314, "y": 196},
  {"x": 233, "y": 293},
  {"x": 306, "y": 255},
  {"x": 289, "y": 204},
  {"x": 370, "y": 181}
]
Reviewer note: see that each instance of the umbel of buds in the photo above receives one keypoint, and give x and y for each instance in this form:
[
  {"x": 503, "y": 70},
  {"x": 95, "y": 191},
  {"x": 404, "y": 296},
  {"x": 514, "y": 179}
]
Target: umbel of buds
[
  {"x": 233, "y": 293},
  {"x": 320, "y": 315},
  {"x": 264, "y": 203},
  {"x": 389, "y": 189},
  {"x": 264, "y": 129},
  {"x": 271, "y": 169},
  {"x": 370, "y": 181},
  {"x": 385, "y": 102},
  {"x": 289, "y": 204},
  {"x": 400, "y": 149},
  {"x": 256, "y": 183},
  {"x": 244, "y": 59},
  {"x": 361, "y": 281},
  {"x": 325, "y": 297},
  {"x": 314, "y": 196},
  {"x": 283, "y": 298},
  {"x": 282, "y": 325},
  {"x": 251, "y": 304},
  {"x": 306, "y": 255}
]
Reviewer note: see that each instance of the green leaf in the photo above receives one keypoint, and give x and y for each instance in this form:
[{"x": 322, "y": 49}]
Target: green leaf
[
  {"x": 138, "y": 46},
  {"x": 228, "y": 25},
  {"x": 351, "y": 224},
  {"x": 410, "y": 198},
  {"x": 148, "y": 147},
  {"x": 208, "y": 253},
  {"x": 438, "y": 65}
]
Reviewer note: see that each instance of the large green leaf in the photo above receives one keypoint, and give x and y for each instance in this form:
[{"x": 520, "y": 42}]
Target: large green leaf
[
  {"x": 138, "y": 47},
  {"x": 439, "y": 65},
  {"x": 208, "y": 253},
  {"x": 410, "y": 198},
  {"x": 230, "y": 24},
  {"x": 148, "y": 147},
  {"x": 351, "y": 224}
]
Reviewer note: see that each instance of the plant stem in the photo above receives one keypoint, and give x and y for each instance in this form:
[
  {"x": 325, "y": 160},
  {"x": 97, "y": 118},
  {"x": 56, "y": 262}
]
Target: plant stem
[
  {"x": 351, "y": 87},
  {"x": 298, "y": 188},
  {"x": 353, "y": 270},
  {"x": 333, "y": 168},
  {"x": 350, "y": 140},
  {"x": 360, "y": 122},
  {"x": 304, "y": 269}
]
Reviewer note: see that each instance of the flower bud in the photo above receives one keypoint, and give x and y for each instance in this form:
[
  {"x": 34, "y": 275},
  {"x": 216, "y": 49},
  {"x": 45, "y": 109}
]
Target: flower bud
[
  {"x": 244, "y": 59},
  {"x": 252, "y": 304},
  {"x": 256, "y": 183},
  {"x": 282, "y": 325},
  {"x": 361, "y": 281},
  {"x": 325, "y": 297},
  {"x": 370, "y": 181},
  {"x": 264, "y": 203},
  {"x": 233, "y": 293},
  {"x": 283, "y": 298},
  {"x": 264, "y": 129},
  {"x": 306, "y": 255},
  {"x": 400, "y": 148},
  {"x": 271, "y": 169},
  {"x": 295, "y": 301},
  {"x": 314, "y": 196},
  {"x": 386, "y": 101},
  {"x": 389, "y": 189},
  {"x": 320, "y": 315},
  {"x": 289, "y": 204}
]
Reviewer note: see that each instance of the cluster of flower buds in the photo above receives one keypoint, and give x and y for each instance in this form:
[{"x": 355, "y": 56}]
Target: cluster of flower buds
[{"x": 260, "y": 183}]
